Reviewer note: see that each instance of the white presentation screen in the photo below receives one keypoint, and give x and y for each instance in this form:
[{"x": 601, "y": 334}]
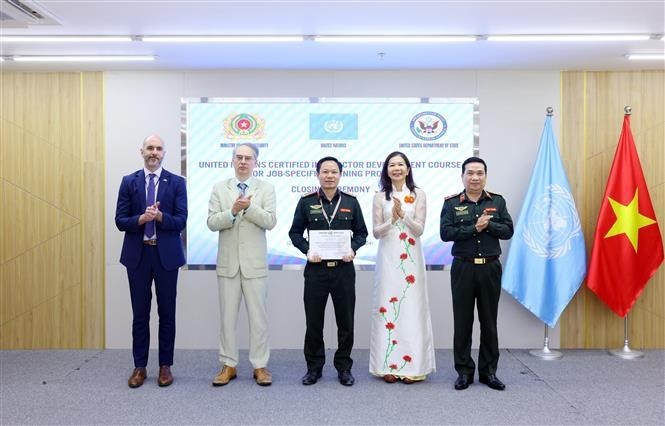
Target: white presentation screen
[{"x": 437, "y": 135}]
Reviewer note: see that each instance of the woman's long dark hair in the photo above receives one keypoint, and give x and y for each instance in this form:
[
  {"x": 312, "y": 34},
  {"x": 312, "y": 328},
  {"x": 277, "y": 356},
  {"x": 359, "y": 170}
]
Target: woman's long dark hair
[{"x": 387, "y": 184}]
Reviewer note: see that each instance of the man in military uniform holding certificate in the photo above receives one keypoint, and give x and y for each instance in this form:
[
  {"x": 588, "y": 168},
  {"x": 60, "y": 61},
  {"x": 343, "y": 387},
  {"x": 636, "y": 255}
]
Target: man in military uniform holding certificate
[
  {"x": 475, "y": 220},
  {"x": 328, "y": 209}
]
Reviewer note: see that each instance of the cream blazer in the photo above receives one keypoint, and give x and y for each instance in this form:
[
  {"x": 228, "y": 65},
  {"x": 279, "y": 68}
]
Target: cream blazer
[{"x": 242, "y": 241}]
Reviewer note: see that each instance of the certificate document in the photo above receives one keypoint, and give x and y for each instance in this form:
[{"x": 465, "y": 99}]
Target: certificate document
[{"x": 330, "y": 244}]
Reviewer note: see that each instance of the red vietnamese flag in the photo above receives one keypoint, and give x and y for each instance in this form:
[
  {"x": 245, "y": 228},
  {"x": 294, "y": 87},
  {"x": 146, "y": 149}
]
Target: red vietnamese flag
[{"x": 627, "y": 245}]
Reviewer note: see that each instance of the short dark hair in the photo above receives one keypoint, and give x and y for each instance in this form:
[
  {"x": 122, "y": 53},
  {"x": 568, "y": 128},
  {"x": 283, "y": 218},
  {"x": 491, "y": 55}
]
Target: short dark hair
[
  {"x": 473, "y": 160},
  {"x": 324, "y": 159}
]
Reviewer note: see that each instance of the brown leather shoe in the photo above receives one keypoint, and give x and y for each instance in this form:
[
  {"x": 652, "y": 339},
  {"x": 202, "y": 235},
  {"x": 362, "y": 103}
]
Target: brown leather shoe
[
  {"x": 263, "y": 377},
  {"x": 165, "y": 377},
  {"x": 224, "y": 376},
  {"x": 389, "y": 378},
  {"x": 138, "y": 376}
]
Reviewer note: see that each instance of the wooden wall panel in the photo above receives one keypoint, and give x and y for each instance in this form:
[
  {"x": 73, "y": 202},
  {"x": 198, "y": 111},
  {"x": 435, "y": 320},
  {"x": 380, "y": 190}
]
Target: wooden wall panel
[
  {"x": 589, "y": 140},
  {"x": 93, "y": 214},
  {"x": 572, "y": 153},
  {"x": 51, "y": 273}
]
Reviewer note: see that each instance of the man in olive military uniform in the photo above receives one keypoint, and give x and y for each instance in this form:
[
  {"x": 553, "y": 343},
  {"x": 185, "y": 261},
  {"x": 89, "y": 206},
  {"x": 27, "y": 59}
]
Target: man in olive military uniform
[
  {"x": 475, "y": 220},
  {"x": 328, "y": 209}
]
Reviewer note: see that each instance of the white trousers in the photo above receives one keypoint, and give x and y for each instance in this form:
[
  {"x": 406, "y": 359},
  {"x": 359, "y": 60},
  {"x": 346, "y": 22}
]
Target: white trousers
[{"x": 255, "y": 292}]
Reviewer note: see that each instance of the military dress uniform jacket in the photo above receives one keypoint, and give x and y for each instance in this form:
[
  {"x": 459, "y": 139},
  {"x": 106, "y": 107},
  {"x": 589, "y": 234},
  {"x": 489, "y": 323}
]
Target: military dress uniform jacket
[
  {"x": 458, "y": 224},
  {"x": 308, "y": 215}
]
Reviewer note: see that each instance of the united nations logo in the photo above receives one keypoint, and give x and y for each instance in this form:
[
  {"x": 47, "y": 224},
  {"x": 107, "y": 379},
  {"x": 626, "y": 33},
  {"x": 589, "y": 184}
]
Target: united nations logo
[
  {"x": 333, "y": 126},
  {"x": 428, "y": 125},
  {"x": 243, "y": 126},
  {"x": 553, "y": 224}
]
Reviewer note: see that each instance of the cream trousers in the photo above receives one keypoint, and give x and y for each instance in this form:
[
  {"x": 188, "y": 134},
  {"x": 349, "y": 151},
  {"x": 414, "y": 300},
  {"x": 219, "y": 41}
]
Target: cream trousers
[{"x": 255, "y": 292}]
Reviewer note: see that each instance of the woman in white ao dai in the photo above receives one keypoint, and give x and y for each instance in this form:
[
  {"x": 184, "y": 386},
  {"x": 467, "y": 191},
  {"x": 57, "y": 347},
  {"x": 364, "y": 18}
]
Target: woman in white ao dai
[{"x": 401, "y": 343}]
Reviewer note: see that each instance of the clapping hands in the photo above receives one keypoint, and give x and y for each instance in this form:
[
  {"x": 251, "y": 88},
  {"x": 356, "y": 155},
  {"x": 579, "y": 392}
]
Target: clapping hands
[
  {"x": 398, "y": 213},
  {"x": 241, "y": 203}
]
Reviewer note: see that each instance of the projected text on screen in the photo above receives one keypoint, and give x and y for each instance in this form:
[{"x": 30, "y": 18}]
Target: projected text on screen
[{"x": 293, "y": 134}]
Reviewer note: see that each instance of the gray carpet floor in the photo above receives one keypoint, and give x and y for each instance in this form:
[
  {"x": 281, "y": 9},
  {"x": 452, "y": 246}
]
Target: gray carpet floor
[{"x": 585, "y": 387}]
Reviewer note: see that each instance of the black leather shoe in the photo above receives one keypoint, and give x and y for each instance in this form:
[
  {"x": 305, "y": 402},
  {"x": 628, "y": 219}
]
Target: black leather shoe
[
  {"x": 493, "y": 382},
  {"x": 311, "y": 377},
  {"x": 463, "y": 381},
  {"x": 346, "y": 378}
]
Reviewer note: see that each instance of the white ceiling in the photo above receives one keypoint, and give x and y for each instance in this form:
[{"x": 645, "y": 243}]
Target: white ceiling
[{"x": 108, "y": 17}]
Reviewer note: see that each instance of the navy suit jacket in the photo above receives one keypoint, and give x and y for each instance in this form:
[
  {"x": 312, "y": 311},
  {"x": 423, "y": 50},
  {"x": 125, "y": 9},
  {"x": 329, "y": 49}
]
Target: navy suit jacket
[{"x": 172, "y": 197}]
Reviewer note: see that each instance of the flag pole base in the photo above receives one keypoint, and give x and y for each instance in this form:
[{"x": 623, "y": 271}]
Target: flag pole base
[
  {"x": 626, "y": 353},
  {"x": 546, "y": 354}
]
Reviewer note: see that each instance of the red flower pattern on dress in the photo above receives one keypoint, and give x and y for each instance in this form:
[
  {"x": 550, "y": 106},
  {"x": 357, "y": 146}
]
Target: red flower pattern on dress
[
  {"x": 405, "y": 260},
  {"x": 382, "y": 310}
]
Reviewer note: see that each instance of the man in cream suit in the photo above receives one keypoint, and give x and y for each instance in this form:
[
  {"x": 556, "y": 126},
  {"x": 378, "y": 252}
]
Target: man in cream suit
[{"x": 242, "y": 208}]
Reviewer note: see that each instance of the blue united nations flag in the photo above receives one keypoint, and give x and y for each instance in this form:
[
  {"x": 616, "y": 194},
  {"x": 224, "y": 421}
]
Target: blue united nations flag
[
  {"x": 547, "y": 259},
  {"x": 333, "y": 126}
]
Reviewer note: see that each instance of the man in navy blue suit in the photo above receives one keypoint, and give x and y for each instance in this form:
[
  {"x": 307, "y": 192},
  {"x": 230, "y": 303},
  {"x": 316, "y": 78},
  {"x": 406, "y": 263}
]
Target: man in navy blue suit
[{"x": 152, "y": 211}]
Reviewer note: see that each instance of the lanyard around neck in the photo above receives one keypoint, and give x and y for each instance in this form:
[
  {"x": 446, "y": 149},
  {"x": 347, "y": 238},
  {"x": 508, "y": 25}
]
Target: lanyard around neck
[{"x": 325, "y": 215}]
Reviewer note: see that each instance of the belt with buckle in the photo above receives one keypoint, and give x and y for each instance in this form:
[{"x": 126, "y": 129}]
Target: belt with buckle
[
  {"x": 478, "y": 260},
  {"x": 150, "y": 242},
  {"x": 331, "y": 263}
]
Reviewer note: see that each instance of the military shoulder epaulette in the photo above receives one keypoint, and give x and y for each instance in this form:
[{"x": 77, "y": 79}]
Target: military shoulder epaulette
[
  {"x": 346, "y": 193},
  {"x": 451, "y": 196},
  {"x": 493, "y": 193},
  {"x": 309, "y": 194}
]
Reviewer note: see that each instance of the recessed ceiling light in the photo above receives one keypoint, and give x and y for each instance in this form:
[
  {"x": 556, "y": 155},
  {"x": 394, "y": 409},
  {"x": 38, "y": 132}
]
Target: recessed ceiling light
[
  {"x": 645, "y": 56},
  {"x": 570, "y": 37},
  {"x": 394, "y": 39},
  {"x": 221, "y": 39},
  {"x": 61, "y": 39},
  {"x": 84, "y": 58}
]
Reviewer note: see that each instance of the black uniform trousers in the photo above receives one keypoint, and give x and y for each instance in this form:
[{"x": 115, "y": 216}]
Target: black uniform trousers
[
  {"x": 480, "y": 284},
  {"x": 140, "y": 290},
  {"x": 339, "y": 282}
]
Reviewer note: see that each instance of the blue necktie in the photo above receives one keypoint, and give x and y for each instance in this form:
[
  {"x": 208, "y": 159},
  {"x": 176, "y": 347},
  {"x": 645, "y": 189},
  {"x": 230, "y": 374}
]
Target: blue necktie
[
  {"x": 150, "y": 226},
  {"x": 242, "y": 186}
]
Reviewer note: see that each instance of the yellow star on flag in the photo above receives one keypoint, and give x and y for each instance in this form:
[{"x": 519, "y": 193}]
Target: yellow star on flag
[{"x": 629, "y": 220}]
